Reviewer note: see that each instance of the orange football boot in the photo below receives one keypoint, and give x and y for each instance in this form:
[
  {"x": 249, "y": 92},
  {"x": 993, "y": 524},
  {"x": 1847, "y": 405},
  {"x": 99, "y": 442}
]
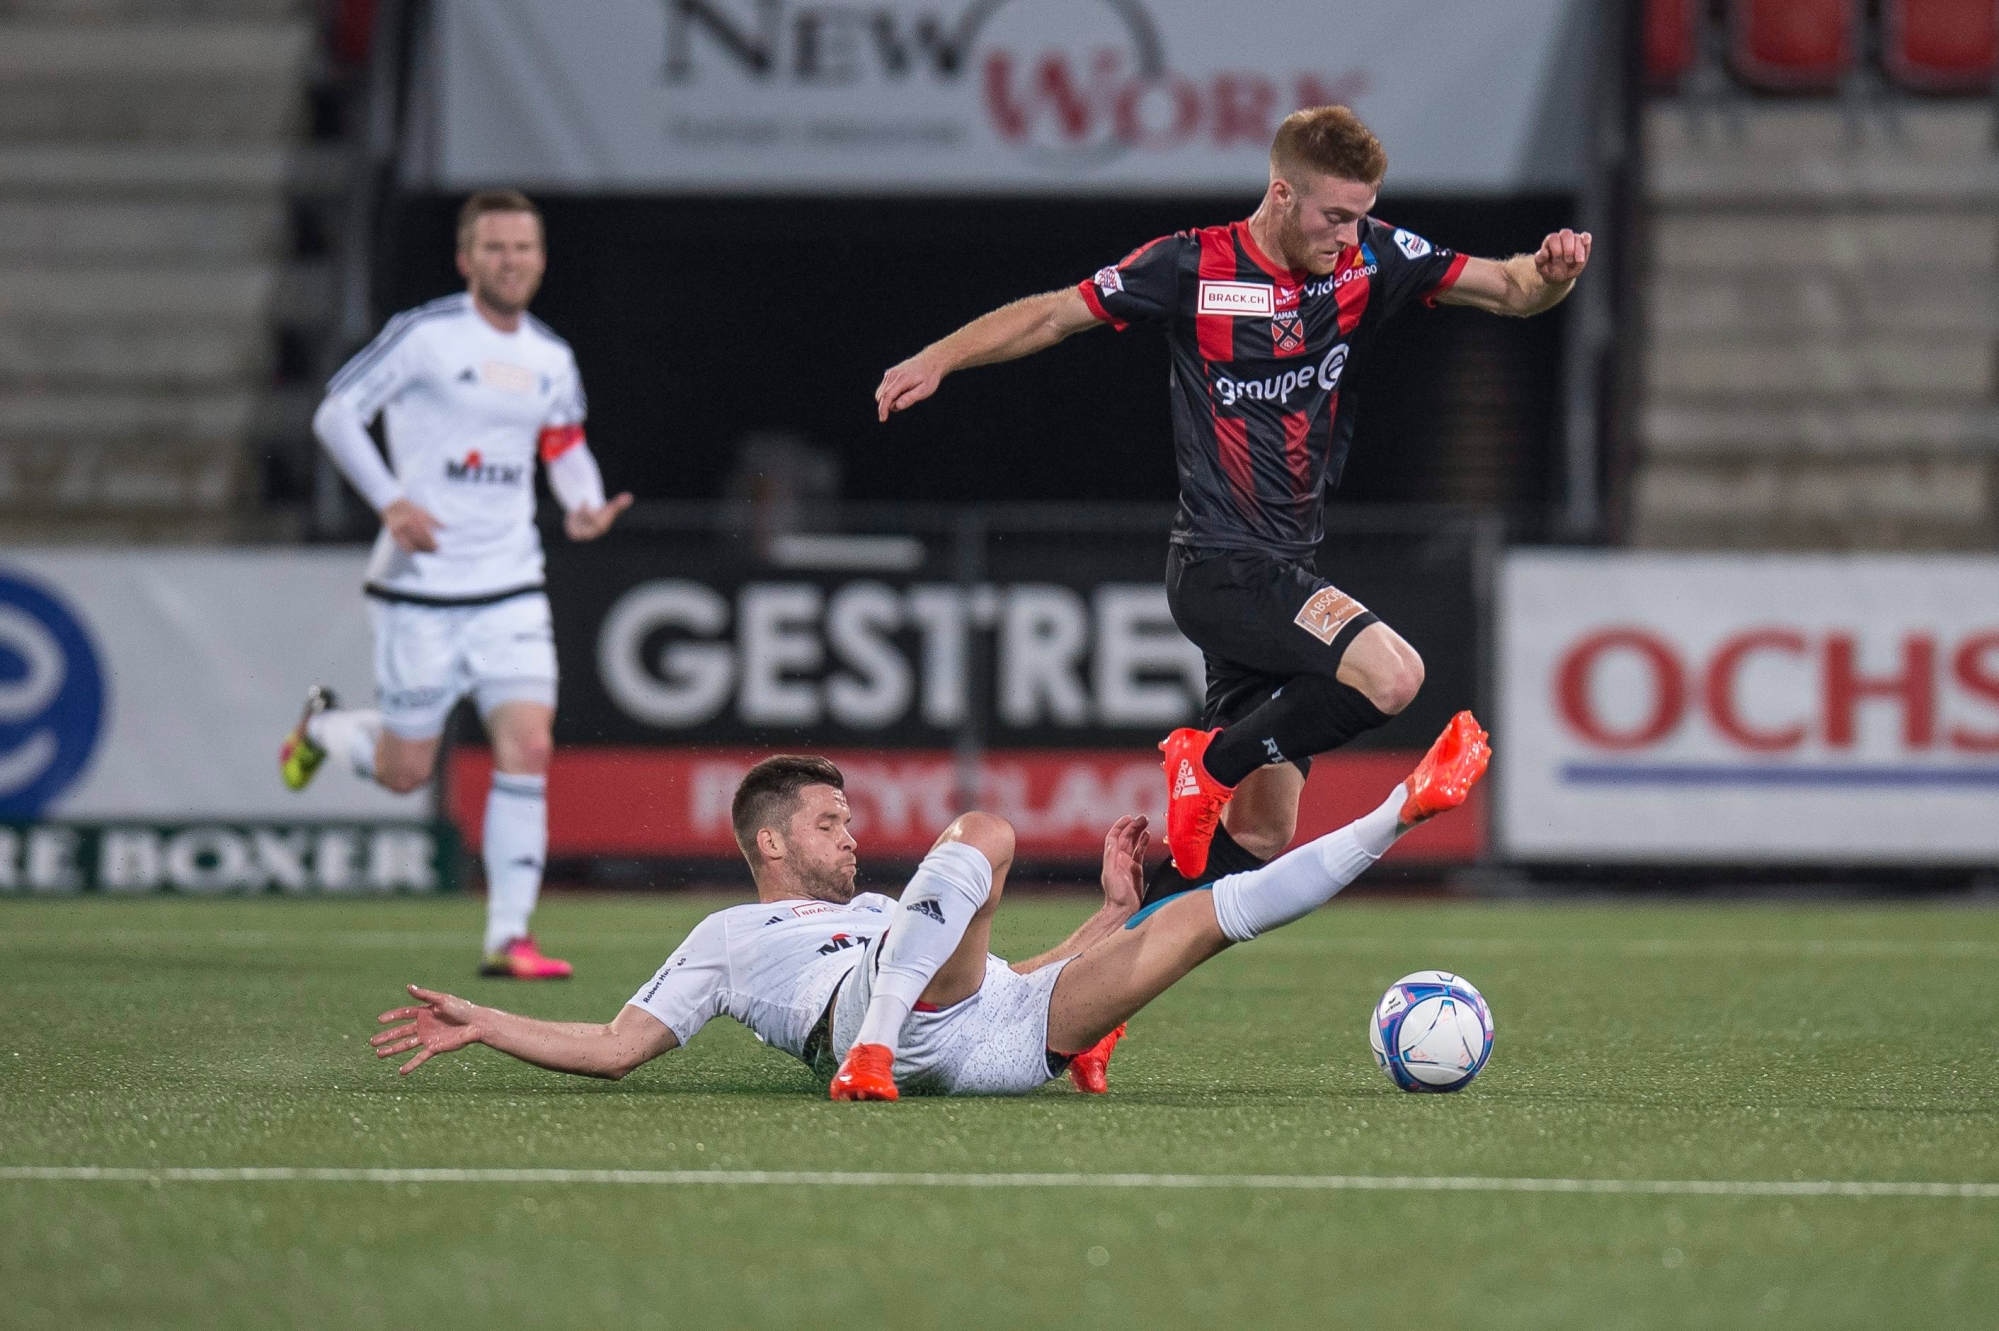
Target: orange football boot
[
  {"x": 1448, "y": 771},
  {"x": 522, "y": 960},
  {"x": 866, "y": 1073},
  {"x": 1194, "y": 800},
  {"x": 1090, "y": 1070}
]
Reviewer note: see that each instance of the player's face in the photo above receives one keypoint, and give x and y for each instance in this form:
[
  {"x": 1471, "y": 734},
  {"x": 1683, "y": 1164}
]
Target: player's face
[
  {"x": 1323, "y": 221},
  {"x": 820, "y": 844},
  {"x": 504, "y": 262}
]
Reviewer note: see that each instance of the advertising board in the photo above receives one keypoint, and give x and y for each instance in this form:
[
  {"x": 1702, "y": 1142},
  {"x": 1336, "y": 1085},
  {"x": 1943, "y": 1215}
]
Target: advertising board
[
  {"x": 1054, "y": 96},
  {"x": 142, "y": 698},
  {"x": 1748, "y": 708}
]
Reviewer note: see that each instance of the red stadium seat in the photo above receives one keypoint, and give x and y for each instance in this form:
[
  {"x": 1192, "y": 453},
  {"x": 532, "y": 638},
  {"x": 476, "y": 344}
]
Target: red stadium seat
[
  {"x": 1791, "y": 45},
  {"x": 1940, "y": 45},
  {"x": 1672, "y": 40}
]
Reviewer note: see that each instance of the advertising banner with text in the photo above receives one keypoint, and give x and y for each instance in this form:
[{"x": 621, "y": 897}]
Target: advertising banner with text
[
  {"x": 1742, "y": 708},
  {"x": 142, "y": 698},
  {"x": 1051, "y": 96}
]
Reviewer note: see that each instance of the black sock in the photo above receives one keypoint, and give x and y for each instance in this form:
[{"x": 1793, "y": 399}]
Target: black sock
[
  {"x": 1309, "y": 715},
  {"x": 1224, "y": 858}
]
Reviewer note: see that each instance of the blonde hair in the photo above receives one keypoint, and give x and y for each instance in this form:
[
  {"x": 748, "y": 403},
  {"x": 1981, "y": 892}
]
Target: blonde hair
[{"x": 491, "y": 201}]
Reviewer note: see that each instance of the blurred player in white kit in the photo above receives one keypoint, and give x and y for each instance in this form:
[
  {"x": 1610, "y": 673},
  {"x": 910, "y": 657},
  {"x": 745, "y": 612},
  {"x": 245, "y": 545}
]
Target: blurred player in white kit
[{"x": 470, "y": 388}]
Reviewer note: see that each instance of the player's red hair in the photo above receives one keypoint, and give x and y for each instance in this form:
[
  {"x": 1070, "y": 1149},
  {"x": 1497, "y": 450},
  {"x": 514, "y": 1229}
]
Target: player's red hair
[{"x": 1327, "y": 141}]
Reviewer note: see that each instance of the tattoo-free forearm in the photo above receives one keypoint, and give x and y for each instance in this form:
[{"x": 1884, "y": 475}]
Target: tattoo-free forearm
[
  {"x": 1530, "y": 293},
  {"x": 584, "y": 1048},
  {"x": 1107, "y": 921},
  {"x": 1026, "y": 326}
]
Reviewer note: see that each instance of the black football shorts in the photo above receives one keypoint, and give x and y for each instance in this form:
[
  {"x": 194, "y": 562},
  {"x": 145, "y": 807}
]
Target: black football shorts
[{"x": 1260, "y": 621}]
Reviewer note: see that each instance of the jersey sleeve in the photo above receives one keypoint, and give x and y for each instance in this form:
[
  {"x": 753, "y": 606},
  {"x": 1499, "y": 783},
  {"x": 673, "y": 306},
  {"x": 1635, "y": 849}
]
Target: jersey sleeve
[
  {"x": 687, "y": 990},
  {"x": 1143, "y": 288},
  {"x": 382, "y": 369},
  {"x": 1412, "y": 268},
  {"x": 562, "y": 428}
]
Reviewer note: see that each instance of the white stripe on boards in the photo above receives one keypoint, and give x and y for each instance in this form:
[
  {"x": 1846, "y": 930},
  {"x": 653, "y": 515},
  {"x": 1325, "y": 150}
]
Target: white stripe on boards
[{"x": 788, "y": 1178}]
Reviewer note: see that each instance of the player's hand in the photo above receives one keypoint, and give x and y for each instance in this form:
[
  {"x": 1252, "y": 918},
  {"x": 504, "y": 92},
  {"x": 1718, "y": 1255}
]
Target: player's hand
[
  {"x": 1124, "y": 863},
  {"x": 587, "y": 524},
  {"x": 439, "y": 1025},
  {"x": 1563, "y": 256},
  {"x": 412, "y": 528},
  {"x": 906, "y": 385}
]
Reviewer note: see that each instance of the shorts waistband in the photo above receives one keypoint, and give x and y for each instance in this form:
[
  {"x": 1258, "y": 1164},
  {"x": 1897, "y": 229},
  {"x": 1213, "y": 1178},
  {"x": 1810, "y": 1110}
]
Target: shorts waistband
[{"x": 390, "y": 594}]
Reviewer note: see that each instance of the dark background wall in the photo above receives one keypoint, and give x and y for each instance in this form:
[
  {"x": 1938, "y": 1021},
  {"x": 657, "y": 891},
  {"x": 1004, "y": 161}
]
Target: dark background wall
[{"x": 699, "y": 321}]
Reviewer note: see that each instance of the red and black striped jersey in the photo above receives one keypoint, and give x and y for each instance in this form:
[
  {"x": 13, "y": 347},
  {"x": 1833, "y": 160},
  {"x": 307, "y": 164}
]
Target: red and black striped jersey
[{"x": 1261, "y": 425}]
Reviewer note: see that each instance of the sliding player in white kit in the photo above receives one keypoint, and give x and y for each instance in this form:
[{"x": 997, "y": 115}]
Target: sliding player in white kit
[
  {"x": 905, "y": 994},
  {"x": 470, "y": 388}
]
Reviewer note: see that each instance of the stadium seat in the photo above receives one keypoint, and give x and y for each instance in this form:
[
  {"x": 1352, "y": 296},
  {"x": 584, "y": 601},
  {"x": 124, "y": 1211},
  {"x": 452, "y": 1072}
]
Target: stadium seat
[
  {"x": 1940, "y": 45},
  {"x": 1672, "y": 40},
  {"x": 1791, "y": 45}
]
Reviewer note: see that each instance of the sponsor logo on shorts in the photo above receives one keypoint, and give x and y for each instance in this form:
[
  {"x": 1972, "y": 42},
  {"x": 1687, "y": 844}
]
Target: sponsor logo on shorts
[
  {"x": 1329, "y": 611},
  {"x": 1109, "y": 281},
  {"x": 1271, "y": 752},
  {"x": 1233, "y": 298}
]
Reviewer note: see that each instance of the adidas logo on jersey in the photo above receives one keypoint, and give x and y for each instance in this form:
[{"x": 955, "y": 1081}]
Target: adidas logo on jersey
[
  {"x": 476, "y": 468},
  {"x": 1185, "y": 783}
]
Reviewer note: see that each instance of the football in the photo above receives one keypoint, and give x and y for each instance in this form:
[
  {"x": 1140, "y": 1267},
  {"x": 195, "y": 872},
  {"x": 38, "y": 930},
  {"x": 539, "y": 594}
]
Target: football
[{"x": 1431, "y": 1031}]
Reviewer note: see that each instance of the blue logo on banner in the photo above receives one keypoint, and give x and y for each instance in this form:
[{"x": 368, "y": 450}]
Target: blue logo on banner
[{"x": 51, "y": 698}]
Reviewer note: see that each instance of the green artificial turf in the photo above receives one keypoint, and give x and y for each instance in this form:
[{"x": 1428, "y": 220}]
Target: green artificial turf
[{"x": 1715, "y": 1042}]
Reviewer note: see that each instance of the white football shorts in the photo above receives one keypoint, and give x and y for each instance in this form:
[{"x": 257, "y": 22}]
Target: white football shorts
[
  {"x": 993, "y": 1043},
  {"x": 427, "y": 657}
]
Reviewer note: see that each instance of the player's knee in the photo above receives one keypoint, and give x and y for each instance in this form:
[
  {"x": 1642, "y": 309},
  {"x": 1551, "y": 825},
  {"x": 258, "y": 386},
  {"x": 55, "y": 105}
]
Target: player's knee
[
  {"x": 988, "y": 833},
  {"x": 402, "y": 778},
  {"x": 527, "y": 754},
  {"x": 1400, "y": 683}
]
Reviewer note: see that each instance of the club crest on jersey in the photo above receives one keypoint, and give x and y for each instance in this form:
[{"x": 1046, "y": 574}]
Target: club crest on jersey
[
  {"x": 1255, "y": 299},
  {"x": 1329, "y": 611},
  {"x": 477, "y": 469},
  {"x": 1287, "y": 324}
]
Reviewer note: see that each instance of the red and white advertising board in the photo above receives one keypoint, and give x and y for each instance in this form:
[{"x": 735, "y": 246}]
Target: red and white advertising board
[
  {"x": 673, "y": 803},
  {"x": 1745, "y": 708}
]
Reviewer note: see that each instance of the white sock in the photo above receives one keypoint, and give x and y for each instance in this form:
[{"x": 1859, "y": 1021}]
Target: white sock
[
  {"x": 516, "y": 843},
  {"x": 1294, "y": 885},
  {"x": 349, "y": 733},
  {"x": 950, "y": 885}
]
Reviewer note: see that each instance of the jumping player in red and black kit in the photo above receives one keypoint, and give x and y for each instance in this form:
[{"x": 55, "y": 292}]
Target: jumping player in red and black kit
[{"x": 1265, "y": 318}]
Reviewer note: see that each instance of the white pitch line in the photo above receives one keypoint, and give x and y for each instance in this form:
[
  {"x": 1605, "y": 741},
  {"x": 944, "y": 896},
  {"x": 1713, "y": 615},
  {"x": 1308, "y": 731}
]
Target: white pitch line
[{"x": 796, "y": 1178}]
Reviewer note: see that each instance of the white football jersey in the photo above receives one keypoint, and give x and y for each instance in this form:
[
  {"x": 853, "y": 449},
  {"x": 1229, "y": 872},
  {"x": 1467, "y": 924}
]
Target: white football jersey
[
  {"x": 772, "y": 965},
  {"x": 465, "y": 408}
]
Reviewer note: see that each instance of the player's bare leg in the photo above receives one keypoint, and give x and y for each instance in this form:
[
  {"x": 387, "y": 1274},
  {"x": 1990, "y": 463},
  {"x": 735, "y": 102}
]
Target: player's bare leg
[
  {"x": 514, "y": 844},
  {"x": 1112, "y": 980},
  {"x": 933, "y": 954},
  {"x": 1262, "y": 817},
  {"x": 1239, "y": 778}
]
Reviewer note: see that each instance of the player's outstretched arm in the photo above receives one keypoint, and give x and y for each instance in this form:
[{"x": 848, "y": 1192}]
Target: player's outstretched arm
[
  {"x": 1123, "y": 883},
  {"x": 1525, "y": 284},
  {"x": 1008, "y": 333},
  {"x": 441, "y": 1023}
]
